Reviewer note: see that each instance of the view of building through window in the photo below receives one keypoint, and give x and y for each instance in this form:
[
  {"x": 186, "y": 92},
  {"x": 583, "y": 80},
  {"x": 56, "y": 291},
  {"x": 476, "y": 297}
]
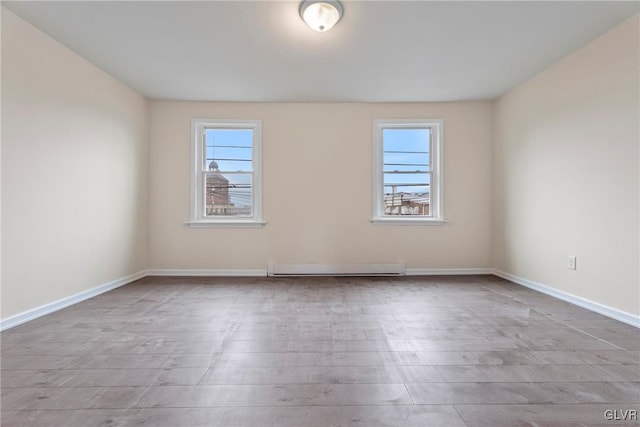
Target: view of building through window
[
  {"x": 228, "y": 172},
  {"x": 406, "y": 171}
]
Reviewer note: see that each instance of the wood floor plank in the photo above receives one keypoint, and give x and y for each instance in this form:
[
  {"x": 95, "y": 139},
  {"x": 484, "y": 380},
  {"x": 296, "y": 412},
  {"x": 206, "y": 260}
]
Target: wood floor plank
[{"x": 392, "y": 351}]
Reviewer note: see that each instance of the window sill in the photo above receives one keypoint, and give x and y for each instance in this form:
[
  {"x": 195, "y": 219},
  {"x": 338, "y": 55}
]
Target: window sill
[
  {"x": 225, "y": 224},
  {"x": 408, "y": 221}
]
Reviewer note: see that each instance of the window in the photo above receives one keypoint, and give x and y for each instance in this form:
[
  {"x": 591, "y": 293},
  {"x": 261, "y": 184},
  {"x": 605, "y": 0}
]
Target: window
[
  {"x": 407, "y": 171},
  {"x": 226, "y": 179}
]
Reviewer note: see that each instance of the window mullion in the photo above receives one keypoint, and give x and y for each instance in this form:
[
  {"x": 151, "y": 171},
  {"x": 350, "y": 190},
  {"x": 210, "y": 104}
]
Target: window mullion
[
  {"x": 203, "y": 150},
  {"x": 203, "y": 194}
]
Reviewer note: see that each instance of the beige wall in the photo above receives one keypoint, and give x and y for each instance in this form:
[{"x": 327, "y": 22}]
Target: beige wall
[
  {"x": 566, "y": 173},
  {"x": 317, "y": 169},
  {"x": 74, "y": 172}
]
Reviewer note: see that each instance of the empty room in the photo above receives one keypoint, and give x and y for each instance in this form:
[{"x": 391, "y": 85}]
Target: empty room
[{"x": 320, "y": 213}]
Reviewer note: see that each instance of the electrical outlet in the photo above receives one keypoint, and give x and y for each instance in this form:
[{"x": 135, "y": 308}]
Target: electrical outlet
[{"x": 571, "y": 262}]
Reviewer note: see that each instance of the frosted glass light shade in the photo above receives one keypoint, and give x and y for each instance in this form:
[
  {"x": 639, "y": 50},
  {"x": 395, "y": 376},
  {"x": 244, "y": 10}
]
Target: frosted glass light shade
[{"x": 321, "y": 15}]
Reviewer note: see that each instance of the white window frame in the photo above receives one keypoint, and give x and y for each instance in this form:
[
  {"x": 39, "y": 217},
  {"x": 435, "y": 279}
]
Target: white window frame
[
  {"x": 436, "y": 185},
  {"x": 198, "y": 154}
]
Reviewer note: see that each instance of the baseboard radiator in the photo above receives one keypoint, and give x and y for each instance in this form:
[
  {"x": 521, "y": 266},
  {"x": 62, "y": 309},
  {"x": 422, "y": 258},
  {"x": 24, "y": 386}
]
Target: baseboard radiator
[{"x": 280, "y": 270}]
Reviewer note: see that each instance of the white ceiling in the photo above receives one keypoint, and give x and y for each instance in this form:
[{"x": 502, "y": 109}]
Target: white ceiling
[{"x": 380, "y": 51}]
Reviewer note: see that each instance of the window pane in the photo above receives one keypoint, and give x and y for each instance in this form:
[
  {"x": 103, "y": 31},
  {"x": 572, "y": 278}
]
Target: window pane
[
  {"x": 406, "y": 171},
  {"x": 405, "y": 162},
  {"x": 412, "y": 140},
  {"x": 405, "y": 168},
  {"x": 407, "y": 194},
  {"x": 224, "y": 153},
  {"x": 229, "y": 165},
  {"x": 229, "y": 150},
  {"x": 230, "y": 137},
  {"x": 228, "y": 194},
  {"x": 405, "y": 179}
]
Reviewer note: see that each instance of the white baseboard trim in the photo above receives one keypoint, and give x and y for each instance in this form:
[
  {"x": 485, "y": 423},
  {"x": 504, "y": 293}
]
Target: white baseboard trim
[
  {"x": 262, "y": 273},
  {"x": 34, "y": 313},
  {"x": 215, "y": 273},
  {"x": 447, "y": 271},
  {"x": 614, "y": 313}
]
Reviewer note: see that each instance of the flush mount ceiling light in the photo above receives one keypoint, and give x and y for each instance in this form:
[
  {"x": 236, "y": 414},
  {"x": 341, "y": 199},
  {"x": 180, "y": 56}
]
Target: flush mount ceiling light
[{"x": 321, "y": 15}]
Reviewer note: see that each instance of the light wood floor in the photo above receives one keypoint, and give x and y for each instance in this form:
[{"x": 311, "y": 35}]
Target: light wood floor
[{"x": 436, "y": 351}]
